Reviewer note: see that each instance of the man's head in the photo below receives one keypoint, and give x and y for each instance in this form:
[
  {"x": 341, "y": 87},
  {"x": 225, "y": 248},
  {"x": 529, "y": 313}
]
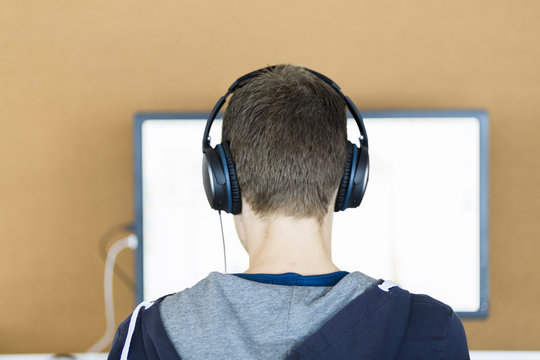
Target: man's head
[{"x": 288, "y": 138}]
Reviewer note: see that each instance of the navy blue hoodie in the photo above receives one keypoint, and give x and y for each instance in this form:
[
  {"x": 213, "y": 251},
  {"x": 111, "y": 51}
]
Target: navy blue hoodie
[{"x": 383, "y": 322}]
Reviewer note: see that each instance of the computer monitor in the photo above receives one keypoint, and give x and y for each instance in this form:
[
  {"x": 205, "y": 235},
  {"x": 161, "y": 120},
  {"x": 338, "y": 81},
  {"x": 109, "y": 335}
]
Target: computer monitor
[{"x": 423, "y": 222}]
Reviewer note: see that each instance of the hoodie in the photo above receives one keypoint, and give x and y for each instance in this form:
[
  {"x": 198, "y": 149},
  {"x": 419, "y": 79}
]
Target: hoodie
[{"x": 289, "y": 316}]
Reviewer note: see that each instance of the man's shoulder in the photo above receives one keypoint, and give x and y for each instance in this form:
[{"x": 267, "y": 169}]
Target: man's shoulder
[
  {"x": 202, "y": 294},
  {"x": 424, "y": 308},
  {"x": 434, "y": 327},
  {"x": 142, "y": 335},
  {"x": 387, "y": 322}
]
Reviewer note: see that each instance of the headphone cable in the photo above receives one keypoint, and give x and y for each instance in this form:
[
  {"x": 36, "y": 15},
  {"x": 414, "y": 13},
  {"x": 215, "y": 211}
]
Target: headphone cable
[{"x": 223, "y": 240}]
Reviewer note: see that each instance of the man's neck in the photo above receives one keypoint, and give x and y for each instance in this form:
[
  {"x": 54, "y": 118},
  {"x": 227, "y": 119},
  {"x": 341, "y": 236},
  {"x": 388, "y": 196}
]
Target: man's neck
[{"x": 279, "y": 244}]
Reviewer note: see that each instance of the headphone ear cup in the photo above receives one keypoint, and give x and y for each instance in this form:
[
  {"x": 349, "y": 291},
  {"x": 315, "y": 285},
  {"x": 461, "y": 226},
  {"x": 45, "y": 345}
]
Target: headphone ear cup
[
  {"x": 360, "y": 179},
  {"x": 215, "y": 180},
  {"x": 236, "y": 198},
  {"x": 345, "y": 180}
]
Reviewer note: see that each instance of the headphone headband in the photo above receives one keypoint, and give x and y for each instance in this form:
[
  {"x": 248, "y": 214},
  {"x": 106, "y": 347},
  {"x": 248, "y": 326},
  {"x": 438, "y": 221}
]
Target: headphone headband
[{"x": 242, "y": 80}]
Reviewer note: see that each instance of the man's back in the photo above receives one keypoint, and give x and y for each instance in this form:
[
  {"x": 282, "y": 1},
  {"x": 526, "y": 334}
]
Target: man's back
[
  {"x": 289, "y": 316},
  {"x": 225, "y": 316}
]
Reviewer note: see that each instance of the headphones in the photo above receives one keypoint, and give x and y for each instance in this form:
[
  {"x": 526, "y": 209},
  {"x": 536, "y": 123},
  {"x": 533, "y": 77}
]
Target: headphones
[{"x": 219, "y": 174}]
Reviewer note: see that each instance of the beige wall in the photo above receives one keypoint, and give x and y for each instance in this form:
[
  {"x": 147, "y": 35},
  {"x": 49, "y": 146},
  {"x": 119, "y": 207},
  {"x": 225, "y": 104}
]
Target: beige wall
[{"x": 73, "y": 73}]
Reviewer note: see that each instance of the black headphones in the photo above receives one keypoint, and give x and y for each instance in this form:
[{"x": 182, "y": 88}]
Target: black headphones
[{"x": 219, "y": 174}]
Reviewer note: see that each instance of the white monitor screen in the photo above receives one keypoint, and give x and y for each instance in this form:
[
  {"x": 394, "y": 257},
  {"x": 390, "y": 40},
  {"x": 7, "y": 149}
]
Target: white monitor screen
[{"x": 422, "y": 222}]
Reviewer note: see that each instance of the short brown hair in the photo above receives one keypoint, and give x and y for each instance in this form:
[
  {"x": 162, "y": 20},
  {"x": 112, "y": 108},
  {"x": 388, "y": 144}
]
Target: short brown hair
[{"x": 287, "y": 131}]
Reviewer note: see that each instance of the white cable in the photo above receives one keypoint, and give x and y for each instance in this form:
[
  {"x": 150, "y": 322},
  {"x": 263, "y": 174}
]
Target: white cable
[
  {"x": 106, "y": 339},
  {"x": 223, "y": 239}
]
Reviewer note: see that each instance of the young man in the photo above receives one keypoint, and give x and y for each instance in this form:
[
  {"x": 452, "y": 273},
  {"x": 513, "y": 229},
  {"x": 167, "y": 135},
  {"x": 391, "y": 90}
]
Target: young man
[{"x": 288, "y": 166}]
